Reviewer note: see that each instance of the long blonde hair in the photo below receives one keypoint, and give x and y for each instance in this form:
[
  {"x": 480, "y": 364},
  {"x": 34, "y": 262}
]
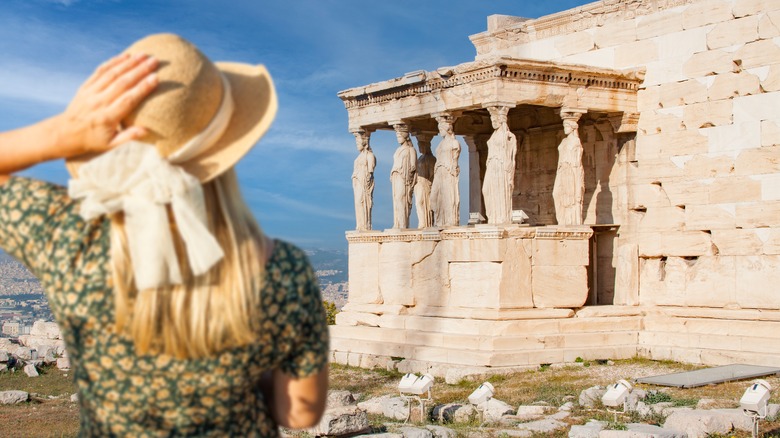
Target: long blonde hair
[{"x": 207, "y": 313}]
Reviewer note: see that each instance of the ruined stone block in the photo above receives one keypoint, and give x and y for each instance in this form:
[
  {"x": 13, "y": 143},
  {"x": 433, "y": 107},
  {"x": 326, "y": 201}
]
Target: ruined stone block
[
  {"x": 364, "y": 273},
  {"x": 734, "y": 189},
  {"x": 708, "y": 63},
  {"x": 636, "y": 54},
  {"x": 744, "y": 8},
  {"x": 729, "y": 33},
  {"x": 560, "y": 286},
  {"x": 733, "y": 138},
  {"x": 702, "y": 115},
  {"x": 737, "y": 242},
  {"x": 769, "y": 25},
  {"x": 706, "y": 12},
  {"x": 662, "y": 219},
  {"x": 573, "y": 43},
  {"x": 728, "y": 85},
  {"x": 661, "y": 23},
  {"x": 554, "y": 252},
  {"x": 758, "y": 160},
  {"x": 474, "y": 284},
  {"x": 758, "y": 53},
  {"x": 648, "y": 99},
  {"x": 395, "y": 273},
  {"x": 683, "y": 93},
  {"x": 753, "y": 275},
  {"x": 709, "y": 217},
  {"x": 680, "y": 244},
  {"x": 756, "y": 215},
  {"x": 627, "y": 275},
  {"x": 615, "y": 33},
  {"x": 770, "y": 132},
  {"x": 515, "y": 290},
  {"x": 770, "y": 187},
  {"x": 772, "y": 80}
]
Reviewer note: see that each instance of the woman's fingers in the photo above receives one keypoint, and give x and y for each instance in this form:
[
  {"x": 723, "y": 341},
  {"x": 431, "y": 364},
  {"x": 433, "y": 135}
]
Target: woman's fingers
[
  {"x": 129, "y": 100},
  {"x": 104, "y": 67},
  {"x": 110, "y": 76},
  {"x": 131, "y": 133}
]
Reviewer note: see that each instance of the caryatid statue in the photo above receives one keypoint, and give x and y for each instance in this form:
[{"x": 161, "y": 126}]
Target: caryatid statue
[
  {"x": 499, "y": 180},
  {"x": 445, "y": 197},
  {"x": 402, "y": 176},
  {"x": 569, "y": 187},
  {"x": 426, "y": 163},
  {"x": 363, "y": 180}
]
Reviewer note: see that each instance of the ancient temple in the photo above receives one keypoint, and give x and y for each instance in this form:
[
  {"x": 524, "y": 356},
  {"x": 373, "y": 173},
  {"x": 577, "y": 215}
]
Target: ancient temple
[{"x": 623, "y": 190}]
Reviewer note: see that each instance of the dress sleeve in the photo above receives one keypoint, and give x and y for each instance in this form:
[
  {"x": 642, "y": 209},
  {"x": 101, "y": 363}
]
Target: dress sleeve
[
  {"x": 31, "y": 212},
  {"x": 310, "y": 352}
]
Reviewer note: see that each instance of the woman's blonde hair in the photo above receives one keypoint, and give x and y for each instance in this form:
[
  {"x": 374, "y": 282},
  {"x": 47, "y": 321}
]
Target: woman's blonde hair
[{"x": 207, "y": 313}]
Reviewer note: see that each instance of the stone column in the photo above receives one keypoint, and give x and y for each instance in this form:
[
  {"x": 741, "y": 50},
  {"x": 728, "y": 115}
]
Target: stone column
[
  {"x": 475, "y": 177},
  {"x": 569, "y": 187},
  {"x": 426, "y": 163},
  {"x": 403, "y": 175},
  {"x": 445, "y": 195},
  {"x": 500, "y": 167},
  {"x": 363, "y": 180}
]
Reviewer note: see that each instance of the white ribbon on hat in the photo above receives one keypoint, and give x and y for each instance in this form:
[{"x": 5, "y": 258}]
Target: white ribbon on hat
[{"x": 135, "y": 179}]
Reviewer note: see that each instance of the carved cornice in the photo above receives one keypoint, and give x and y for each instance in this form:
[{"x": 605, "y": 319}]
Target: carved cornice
[
  {"x": 504, "y": 69},
  {"x": 472, "y": 233}
]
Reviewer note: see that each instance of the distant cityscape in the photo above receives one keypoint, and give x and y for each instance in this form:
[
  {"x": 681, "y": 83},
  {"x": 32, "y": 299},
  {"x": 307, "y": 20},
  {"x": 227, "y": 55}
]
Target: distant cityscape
[{"x": 22, "y": 300}]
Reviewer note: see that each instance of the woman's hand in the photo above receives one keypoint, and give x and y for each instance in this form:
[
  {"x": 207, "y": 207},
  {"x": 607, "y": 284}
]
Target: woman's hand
[{"x": 91, "y": 123}]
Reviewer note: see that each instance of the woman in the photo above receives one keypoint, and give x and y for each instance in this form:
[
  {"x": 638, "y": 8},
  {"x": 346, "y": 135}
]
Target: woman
[{"x": 180, "y": 316}]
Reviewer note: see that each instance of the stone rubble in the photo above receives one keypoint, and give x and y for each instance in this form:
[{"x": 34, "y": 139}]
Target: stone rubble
[
  {"x": 345, "y": 417},
  {"x": 13, "y": 397}
]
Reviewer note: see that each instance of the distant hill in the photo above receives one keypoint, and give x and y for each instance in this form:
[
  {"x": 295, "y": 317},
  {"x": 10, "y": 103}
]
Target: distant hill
[{"x": 331, "y": 262}]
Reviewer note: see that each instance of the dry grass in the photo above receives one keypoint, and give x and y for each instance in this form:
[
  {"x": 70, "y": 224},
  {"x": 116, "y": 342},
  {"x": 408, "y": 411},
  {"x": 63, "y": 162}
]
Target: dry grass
[{"x": 44, "y": 417}]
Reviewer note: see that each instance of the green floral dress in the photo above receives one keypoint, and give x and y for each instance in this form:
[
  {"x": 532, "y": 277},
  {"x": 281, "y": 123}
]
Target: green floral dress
[{"x": 125, "y": 394}]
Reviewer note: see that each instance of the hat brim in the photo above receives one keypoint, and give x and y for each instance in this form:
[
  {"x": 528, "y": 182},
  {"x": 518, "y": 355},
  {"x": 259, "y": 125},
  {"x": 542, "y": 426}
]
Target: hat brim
[{"x": 254, "y": 109}]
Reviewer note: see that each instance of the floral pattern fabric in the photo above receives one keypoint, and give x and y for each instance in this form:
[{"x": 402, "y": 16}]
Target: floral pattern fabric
[{"x": 122, "y": 393}]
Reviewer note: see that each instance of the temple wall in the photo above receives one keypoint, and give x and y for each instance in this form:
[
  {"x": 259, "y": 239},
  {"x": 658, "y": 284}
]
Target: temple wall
[{"x": 704, "y": 182}]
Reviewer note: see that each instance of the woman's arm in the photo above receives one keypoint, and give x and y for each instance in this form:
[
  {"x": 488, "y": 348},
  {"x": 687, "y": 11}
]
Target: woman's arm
[
  {"x": 91, "y": 121},
  {"x": 296, "y": 403}
]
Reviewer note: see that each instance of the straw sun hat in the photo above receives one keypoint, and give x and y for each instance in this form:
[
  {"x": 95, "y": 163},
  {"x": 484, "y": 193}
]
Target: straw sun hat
[{"x": 187, "y": 98}]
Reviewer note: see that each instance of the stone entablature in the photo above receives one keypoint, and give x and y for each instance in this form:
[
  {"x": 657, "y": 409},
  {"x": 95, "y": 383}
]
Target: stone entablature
[
  {"x": 470, "y": 85},
  {"x": 469, "y": 233}
]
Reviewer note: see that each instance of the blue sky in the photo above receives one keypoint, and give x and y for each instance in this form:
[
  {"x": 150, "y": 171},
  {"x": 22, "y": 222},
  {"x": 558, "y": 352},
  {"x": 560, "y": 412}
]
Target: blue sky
[{"x": 298, "y": 178}]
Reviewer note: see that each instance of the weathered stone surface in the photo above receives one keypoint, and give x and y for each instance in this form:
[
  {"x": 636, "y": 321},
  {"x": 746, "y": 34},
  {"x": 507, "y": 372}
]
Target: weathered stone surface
[
  {"x": 578, "y": 42},
  {"x": 415, "y": 432},
  {"x": 707, "y": 12},
  {"x": 729, "y": 33},
  {"x": 591, "y": 429},
  {"x": 752, "y": 273},
  {"x": 24, "y": 353},
  {"x": 770, "y": 133},
  {"x": 758, "y": 53},
  {"x": 591, "y": 397},
  {"x": 661, "y": 23},
  {"x": 63, "y": 363},
  {"x": 728, "y": 85},
  {"x": 441, "y": 431},
  {"x": 74, "y": 397},
  {"x": 342, "y": 421},
  {"x": 698, "y": 423},
  {"x": 546, "y": 425},
  {"x": 473, "y": 284},
  {"x": 615, "y": 33},
  {"x": 637, "y": 53},
  {"x": 702, "y": 115},
  {"x": 13, "y": 397},
  {"x": 364, "y": 273},
  {"x": 532, "y": 412},
  {"x": 4, "y": 356},
  {"x": 744, "y": 8},
  {"x": 454, "y": 413},
  {"x": 769, "y": 25},
  {"x": 339, "y": 398},
  {"x": 495, "y": 409},
  {"x": 548, "y": 280},
  {"x": 708, "y": 63},
  {"x": 43, "y": 329},
  {"x": 30, "y": 370},
  {"x": 682, "y": 93},
  {"x": 640, "y": 430}
]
